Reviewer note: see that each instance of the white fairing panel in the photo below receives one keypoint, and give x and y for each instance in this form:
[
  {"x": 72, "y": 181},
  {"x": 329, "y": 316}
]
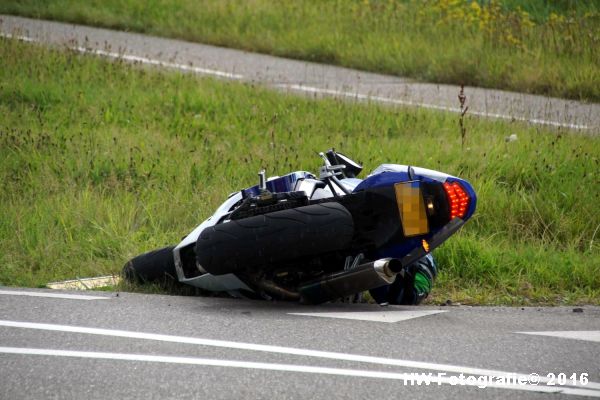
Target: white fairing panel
[
  {"x": 193, "y": 237},
  {"x": 325, "y": 192},
  {"x": 212, "y": 220},
  {"x": 429, "y": 173},
  {"x": 350, "y": 183}
]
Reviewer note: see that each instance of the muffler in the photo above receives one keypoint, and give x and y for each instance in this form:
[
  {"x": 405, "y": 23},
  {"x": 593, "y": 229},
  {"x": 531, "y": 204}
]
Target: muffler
[{"x": 346, "y": 283}]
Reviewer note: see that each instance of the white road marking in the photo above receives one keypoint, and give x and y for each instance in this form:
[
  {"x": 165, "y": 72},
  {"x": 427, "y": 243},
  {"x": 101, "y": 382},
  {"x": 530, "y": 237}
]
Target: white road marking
[
  {"x": 52, "y": 295},
  {"x": 381, "y": 99},
  {"x": 590, "y": 336},
  {"x": 375, "y": 316},
  {"x": 405, "y": 377},
  {"x": 299, "y": 87},
  {"x": 139, "y": 59},
  {"x": 274, "y": 349}
]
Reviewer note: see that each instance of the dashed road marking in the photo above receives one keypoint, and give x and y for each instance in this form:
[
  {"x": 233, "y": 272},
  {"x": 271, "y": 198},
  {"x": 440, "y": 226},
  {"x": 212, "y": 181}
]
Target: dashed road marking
[
  {"x": 52, "y": 295},
  {"x": 405, "y": 377},
  {"x": 374, "y": 316},
  {"x": 590, "y": 336},
  {"x": 278, "y": 350}
]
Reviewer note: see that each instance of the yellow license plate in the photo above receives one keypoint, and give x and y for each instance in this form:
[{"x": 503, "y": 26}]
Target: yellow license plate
[{"x": 412, "y": 208}]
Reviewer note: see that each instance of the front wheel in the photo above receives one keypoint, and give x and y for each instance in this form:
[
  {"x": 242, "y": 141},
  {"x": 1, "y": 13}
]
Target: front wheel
[{"x": 154, "y": 266}]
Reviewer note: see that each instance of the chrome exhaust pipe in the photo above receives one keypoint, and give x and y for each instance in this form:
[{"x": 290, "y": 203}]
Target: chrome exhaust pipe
[{"x": 346, "y": 283}]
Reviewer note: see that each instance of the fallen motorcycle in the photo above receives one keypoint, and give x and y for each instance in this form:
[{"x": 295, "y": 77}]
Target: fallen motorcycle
[{"x": 315, "y": 238}]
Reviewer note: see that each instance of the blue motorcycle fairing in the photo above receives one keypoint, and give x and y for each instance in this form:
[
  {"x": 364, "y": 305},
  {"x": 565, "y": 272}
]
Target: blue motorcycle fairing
[
  {"x": 390, "y": 174},
  {"x": 285, "y": 183}
]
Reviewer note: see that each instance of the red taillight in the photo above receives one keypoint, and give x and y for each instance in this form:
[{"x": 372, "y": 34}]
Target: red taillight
[{"x": 458, "y": 199}]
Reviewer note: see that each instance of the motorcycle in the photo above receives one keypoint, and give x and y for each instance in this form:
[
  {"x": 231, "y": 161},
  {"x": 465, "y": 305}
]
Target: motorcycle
[{"x": 313, "y": 239}]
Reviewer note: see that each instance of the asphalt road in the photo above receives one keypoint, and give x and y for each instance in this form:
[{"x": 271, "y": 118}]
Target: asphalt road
[
  {"x": 312, "y": 79},
  {"x": 153, "y": 346}
]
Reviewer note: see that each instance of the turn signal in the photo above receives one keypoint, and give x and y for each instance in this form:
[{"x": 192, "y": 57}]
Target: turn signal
[{"x": 425, "y": 245}]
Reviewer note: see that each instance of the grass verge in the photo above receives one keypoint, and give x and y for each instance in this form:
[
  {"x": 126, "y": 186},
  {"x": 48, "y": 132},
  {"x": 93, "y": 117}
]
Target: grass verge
[
  {"x": 528, "y": 46},
  {"x": 101, "y": 161}
]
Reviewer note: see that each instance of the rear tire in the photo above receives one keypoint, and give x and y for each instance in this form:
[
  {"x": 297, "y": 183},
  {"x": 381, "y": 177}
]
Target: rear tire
[
  {"x": 154, "y": 266},
  {"x": 271, "y": 238}
]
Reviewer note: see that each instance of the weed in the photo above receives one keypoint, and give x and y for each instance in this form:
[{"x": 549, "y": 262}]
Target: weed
[
  {"x": 534, "y": 46},
  {"x": 102, "y": 161},
  {"x": 462, "y": 99}
]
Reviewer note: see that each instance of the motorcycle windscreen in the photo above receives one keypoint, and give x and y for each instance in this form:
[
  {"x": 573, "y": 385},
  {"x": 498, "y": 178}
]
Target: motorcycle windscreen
[{"x": 412, "y": 208}]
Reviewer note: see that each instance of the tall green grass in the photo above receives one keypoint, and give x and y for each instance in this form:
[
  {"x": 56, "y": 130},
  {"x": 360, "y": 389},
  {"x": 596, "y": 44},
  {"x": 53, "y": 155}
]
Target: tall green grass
[
  {"x": 540, "y": 46},
  {"x": 100, "y": 161}
]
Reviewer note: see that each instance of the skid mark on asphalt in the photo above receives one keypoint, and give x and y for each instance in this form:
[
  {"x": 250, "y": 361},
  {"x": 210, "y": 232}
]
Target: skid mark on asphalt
[
  {"x": 280, "y": 350},
  {"x": 373, "y": 316},
  {"x": 590, "y": 336},
  {"x": 52, "y": 295},
  {"x": 438, "y": 379}
]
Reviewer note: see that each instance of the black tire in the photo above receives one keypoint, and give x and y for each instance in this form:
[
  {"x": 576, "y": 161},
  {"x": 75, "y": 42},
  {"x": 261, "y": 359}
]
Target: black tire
[
  {"x": 271, "y": 238},
  {"x": 154, "y": 266}
]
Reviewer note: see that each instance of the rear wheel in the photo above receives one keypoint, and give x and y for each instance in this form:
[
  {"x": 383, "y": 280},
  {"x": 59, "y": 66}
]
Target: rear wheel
[
  {"x": 275, "y": 237},
  {"x": 154, "y": 266}
]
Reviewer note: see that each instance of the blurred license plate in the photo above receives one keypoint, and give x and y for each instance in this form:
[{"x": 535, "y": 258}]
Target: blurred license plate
[{"x": 412, "y": 208}]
